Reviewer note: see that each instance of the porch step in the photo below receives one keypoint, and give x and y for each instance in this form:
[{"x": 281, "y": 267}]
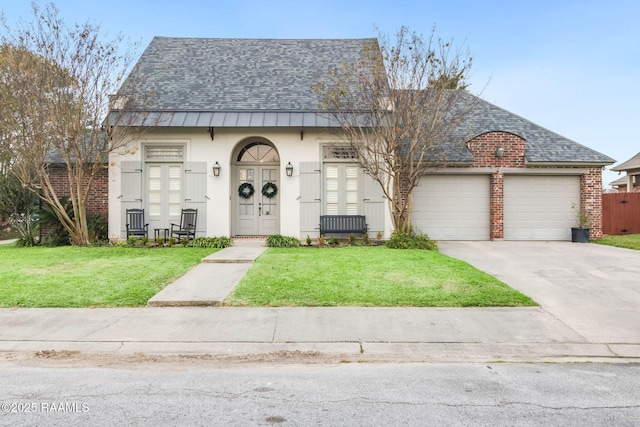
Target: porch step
[{"x": 237, "y": 254}]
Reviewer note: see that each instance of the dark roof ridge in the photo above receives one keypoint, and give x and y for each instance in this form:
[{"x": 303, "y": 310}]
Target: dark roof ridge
[{"x": 267, "y": 39}]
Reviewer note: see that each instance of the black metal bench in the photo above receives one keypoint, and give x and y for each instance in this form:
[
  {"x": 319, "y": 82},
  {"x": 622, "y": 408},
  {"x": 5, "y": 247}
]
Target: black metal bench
[{"x": 343, "y": 224}]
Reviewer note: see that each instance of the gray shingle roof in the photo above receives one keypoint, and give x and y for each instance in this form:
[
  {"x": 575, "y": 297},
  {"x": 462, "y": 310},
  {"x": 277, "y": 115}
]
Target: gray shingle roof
[
  {"x": 268, "y": 83},
  {"x": 542, "y": 145},
  {"x": 632, "y": 163},
  {"x": 195, "y": 74}
]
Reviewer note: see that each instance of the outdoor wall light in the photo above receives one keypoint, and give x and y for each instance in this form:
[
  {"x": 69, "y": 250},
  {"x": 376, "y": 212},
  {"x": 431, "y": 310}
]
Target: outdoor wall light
[
  {"x": 289, "y": 169},
  {"x": 216, "y": 169},
  {"x": 500, "y": 152}
]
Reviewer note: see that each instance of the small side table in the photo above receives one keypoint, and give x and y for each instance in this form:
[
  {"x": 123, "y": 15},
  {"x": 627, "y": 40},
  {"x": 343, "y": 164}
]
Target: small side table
[{"x": 165, "y": 233}]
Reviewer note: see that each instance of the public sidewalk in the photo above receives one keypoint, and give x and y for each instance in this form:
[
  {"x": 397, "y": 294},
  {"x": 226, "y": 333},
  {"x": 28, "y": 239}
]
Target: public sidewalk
[{"x": 337, "y": 333}]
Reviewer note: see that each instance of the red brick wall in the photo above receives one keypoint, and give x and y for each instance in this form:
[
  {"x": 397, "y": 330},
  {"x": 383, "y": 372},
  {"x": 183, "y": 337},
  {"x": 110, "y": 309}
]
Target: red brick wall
[
  {"x": 496, "y": 212},
  {"x": 591, "y": 199},
  {"x": 98, "y": 203},
  {"x": 484, "y": 148}
]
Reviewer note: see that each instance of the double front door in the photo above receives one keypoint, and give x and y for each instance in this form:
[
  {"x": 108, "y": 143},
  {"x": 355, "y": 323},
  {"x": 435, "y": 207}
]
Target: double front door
[{"x": 257, "y": 214}]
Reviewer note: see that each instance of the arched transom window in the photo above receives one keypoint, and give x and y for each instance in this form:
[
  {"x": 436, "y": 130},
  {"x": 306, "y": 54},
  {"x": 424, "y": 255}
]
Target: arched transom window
[{"x": 258, "y": 152}]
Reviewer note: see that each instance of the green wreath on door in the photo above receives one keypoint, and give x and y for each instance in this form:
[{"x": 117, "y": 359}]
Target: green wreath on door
[
  {"x": 269, "y": 190},
  {"x": 246, "y": 190}
]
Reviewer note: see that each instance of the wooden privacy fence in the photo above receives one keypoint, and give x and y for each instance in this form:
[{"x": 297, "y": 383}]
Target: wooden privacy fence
[{"x": 621, "y": 213}]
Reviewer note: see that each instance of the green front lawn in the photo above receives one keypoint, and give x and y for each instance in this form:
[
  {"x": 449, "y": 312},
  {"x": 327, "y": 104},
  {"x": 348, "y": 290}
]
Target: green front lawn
[
  {"x": 369, "y": 276},
  {"x": 628, "y": 241},
  {"x": 90, "y": 276}
]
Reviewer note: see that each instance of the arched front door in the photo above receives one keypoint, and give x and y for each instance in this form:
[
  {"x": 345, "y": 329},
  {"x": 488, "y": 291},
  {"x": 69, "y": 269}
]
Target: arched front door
[{"x": 256, "y": 190}]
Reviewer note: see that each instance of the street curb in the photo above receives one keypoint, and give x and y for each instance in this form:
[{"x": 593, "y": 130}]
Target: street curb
[{"x": 344, "y": 351}]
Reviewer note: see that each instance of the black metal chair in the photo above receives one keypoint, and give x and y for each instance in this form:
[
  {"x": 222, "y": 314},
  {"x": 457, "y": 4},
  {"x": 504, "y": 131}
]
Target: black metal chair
[
  {"x": 135, "y": 223},
  {"x": 187, "y": 227}
]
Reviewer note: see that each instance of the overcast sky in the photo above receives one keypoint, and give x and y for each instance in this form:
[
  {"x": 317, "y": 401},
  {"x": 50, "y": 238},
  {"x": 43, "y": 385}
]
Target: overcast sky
[{"x": 570, "y": 66}]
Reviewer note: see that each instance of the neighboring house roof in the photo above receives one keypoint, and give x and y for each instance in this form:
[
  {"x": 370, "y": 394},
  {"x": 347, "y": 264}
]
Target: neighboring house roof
[
  {"x": 269, "y": 83},
  {"x": 632, "y": 163},
  {"x": 619, "y": 182}
]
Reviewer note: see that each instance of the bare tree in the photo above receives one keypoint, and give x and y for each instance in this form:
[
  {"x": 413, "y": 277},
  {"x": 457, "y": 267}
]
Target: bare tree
[
  {"x": 398, "y": 109},
  {"x": 55, "y": 82}
]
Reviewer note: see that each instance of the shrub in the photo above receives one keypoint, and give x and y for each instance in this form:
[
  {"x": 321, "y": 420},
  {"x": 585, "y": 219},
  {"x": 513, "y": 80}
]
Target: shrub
[
  {"x": 333, "y": 241},
  {"x": 132, "y": 240},
  {"x": 308, "y": 240},
  {"x": 365, "y": 238},
  {"x": 57, "y": 235},
  {"x": 98, "y": 228},
  {"x": 411, "y": 240},
  {"x": 211, "y": 242},
  {"x": 172, "y": 241},
  {"x": 27, "y": 226},
  {"x": 279, "y": 241},
  {"x": 321, "y": 242},
  {"x": 352, "y": 239},
  {"x": 160, "y": 241}
]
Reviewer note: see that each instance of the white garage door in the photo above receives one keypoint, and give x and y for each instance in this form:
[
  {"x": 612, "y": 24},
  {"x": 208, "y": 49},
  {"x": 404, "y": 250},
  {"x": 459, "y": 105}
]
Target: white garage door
[
  {"x": 452, "y": 207},
  {"x": 540, "y": 207}
]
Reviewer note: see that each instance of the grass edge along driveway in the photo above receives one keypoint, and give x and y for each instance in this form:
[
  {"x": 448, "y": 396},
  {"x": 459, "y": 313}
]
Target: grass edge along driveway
[{"x": 369, "y": 276}]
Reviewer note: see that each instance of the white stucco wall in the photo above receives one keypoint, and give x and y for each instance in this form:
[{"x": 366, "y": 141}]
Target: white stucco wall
[{"x": 200, "y": 147}]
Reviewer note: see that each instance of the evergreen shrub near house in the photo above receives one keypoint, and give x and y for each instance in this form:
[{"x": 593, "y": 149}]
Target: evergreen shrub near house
[
  {"x": 411, "y": 240},
  {"x": 98, "y": 229},
  {"x": 56, "y": 233},
  {"x": 211, "y": 242},
  {"x": 279, "y": 241}
]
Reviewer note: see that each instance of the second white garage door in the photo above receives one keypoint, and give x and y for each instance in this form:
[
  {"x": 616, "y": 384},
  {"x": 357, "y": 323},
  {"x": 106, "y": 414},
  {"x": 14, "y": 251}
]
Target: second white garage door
[
  {"x": 452, "y": 207},
  {"x": 540, "y": 207}
]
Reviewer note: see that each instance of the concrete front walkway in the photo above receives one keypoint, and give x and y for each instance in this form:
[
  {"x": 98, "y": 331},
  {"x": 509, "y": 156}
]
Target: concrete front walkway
[{"x": 211, "y": 281}]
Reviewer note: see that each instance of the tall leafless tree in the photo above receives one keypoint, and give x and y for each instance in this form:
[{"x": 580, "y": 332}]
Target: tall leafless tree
[
  {"x": 55, "y": 83},
  {"x": 398, "y": 109}
]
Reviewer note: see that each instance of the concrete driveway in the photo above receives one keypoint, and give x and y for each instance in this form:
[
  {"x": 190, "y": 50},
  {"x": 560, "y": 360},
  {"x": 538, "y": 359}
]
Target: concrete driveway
[{"x": 593, "y": 289}]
